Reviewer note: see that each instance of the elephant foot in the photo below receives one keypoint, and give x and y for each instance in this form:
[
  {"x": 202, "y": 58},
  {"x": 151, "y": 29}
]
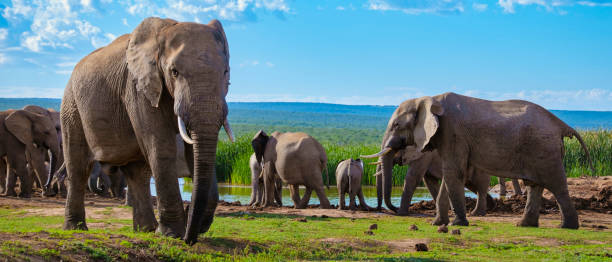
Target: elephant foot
[
  {"x": 572, "y": 224},
  {"x": 174, "y": 231},
  {"x": 478, "y": 213},
  {"x": 438, "y": 221},
  {"x": 10, "y": 193},
  {"x": 25, "y": 195},
  {"x": 75, "y": 225},
  {"x": 365, "y": 208},
  {"x": 460, "y": 222},
  {"x": 528, "y": 223}
]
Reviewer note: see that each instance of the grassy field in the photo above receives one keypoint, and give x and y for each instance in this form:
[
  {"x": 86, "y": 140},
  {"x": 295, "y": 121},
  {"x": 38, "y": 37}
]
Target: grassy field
[
  {"x": 233, "y": 159},
  {"x": 270, "y": 237}
]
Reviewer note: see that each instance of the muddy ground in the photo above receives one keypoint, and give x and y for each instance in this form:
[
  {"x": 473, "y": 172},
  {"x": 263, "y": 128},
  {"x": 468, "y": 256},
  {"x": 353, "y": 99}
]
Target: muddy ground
[{"x": 592, "y": 197}]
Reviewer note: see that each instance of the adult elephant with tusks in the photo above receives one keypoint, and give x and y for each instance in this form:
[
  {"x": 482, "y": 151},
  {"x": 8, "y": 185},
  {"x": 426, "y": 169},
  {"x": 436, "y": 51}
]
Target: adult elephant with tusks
[
  {"x": 121, "y": 107},
  {"x": 512, "y": 139}
]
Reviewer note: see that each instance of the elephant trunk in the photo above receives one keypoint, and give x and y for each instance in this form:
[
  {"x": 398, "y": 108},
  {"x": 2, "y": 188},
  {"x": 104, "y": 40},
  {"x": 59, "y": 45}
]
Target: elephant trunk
[
  {"x": 204, "y": 149},
  {"x": 387, "y": 179}
]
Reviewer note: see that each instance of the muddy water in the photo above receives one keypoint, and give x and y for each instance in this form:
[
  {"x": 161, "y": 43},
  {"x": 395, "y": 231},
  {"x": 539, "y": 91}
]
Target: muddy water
[{"x": 242, "y": 193}]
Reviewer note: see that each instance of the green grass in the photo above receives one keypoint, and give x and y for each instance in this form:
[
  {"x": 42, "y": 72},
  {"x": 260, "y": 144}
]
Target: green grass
[
  {"x": 233, "y": 159},
  {"x": 265, "y": 237}
]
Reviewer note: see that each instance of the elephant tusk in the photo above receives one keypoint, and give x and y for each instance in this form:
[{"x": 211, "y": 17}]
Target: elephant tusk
[
  {"x": 183, "y": 131},
  {"x": 228, "y": 130},
  {"x": 379, "y": 154},
  {"x": 378, "y": 173},
  {"x": 375, "y": 163}
]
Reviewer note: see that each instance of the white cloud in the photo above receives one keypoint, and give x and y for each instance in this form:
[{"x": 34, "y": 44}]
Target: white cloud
[
  {"x": 19, "y": 8},
  {"x": 249, "y": 63},
  {"x": 551, "y": 5},
  {"x": 3, "y": 58},
  {"x": 270, "y": 64},
  {"x": 341, "y": 8},
  {"x": 583, "y": 99},
  {"x": 3, "y": 33},
  {"x": 479, "y": 7},
  {"x": 125, "y": 22},
  {"x": 29, "y": 91},
  {"x": 67, "y": 64},
  {"x": 416, "y": 7}
]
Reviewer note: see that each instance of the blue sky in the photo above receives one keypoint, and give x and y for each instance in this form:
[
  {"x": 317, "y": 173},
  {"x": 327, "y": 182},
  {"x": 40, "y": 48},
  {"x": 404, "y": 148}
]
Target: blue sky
[{"x": 557, "y": 53}]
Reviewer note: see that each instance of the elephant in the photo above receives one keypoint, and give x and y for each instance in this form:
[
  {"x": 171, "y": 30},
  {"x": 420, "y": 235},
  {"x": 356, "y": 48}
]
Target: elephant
[
  {"x": 427, "y": 167},
  {"x": 125, "y": 103},
  {"x": 348, "y": 180},
  {"x": 297, "y": 159},
  {"x": 512, "y": 139},
  {"x": 257, "y": 185},
  {"x": 26, "y": 137},
  {"x": 107, "y": 180}
]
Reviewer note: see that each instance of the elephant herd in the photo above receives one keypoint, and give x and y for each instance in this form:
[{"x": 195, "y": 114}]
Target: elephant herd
[{"x": 125, "y": 104}]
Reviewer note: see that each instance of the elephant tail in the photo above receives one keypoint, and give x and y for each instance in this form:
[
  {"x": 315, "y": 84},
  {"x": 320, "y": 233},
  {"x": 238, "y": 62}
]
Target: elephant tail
[
  {"x": 574, "y": 133},
  {"x": 327, "y": 172}
]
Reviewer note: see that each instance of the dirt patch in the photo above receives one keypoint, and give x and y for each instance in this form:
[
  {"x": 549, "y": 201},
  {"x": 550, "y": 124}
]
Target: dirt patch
[{"x": 395, "y": 246}]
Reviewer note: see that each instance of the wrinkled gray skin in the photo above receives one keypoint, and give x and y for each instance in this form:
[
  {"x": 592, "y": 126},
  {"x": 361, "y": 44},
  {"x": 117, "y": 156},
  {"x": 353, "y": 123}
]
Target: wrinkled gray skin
[
  {"x": 26, "y": 137},
  {"x": 515, "y": 185},
  {"x": 120, "y": 108},
  {"x": 297, "y": 159},
  {"x": 512, "y": 139},
  {"x": 257, "y": 185},
  {"x": 428, "y": 168},
  {"x": 348, "y": 180}
]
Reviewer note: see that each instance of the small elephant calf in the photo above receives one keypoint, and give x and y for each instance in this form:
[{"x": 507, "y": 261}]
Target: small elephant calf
[
  {"x": 348, "y": 180},
  {"x": 257, "y": 185}
]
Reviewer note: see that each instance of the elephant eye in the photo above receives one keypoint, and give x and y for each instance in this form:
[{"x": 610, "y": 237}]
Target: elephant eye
[{"x": 174, "y": 72}]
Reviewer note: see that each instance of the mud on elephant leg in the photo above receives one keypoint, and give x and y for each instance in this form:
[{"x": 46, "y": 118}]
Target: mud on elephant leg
[
  {"x": 532, "y": 208},
  {"x": 138, "y": 176}
]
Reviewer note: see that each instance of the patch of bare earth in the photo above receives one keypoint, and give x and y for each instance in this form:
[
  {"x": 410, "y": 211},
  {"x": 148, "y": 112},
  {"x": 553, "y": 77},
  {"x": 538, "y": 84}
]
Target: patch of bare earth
[{"x": 395, "y": 246}]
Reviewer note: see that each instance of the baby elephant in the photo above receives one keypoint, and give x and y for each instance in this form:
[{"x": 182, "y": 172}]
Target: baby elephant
[
  {"x": 257, "y": 185},
  {"x": 348, "y": 179}
]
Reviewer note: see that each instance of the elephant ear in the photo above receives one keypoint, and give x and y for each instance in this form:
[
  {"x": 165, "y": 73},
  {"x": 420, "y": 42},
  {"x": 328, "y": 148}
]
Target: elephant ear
[
  {"x": 220, "y": 37},
  {"x": 427, "y": 121},
  {"x": 258, "y": 143},
  {"x": 20, "y": 125},
  {"x": 142, "y": 57}
]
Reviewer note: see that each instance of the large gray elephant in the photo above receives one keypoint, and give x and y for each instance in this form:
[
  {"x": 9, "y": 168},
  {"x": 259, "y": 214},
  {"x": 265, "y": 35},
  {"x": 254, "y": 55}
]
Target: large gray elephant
[
  {"x": 297, "y": 159},
  {"x": 348, "y": 180},
  {"x": 121, "y": 107},
  {"x": 257, "y": 185},
  {"x": 24, "y": 136},
  {"x": 513, "y": 139}
]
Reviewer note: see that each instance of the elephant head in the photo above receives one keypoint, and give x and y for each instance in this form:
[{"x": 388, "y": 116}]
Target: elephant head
[
  {"x": 259, "y": 142},
  {"x": 411, "y": 128},
  {"x": 34, "y": 129},
  {"x": 190, "y": 63}
]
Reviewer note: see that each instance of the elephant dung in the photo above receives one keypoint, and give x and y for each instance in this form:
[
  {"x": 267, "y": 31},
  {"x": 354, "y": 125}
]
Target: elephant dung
[
  {"x": 455, "y": 232},
  {"x": 373, "y": 226},
  {"x": 369, "y": 232},
  {"x": 421, "y": 247},
  {"x": 300, "y": 219},
  {"x": 413, "y": 227}
]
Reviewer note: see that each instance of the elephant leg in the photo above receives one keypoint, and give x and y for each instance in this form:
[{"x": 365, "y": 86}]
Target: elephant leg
[
  {"x": 569, "y": 216},
  {"x": 442, "y": 206},
  {"x": 77, "y": 168},
  {"x": 269, "y": 184},
  {"x": 532, "y": 208},
  {"x": 278, "y": 192},
  {"x": 305, "y": 199},
  {"x": 363, "y": 205},
  {"x": 352, "y": 204},
  {"x": 259, "y": 200},
  {"x": 294, "y": 190},
  {"x": 456, "y": 192},
  {"x": 3, "y": 171},
  {"x": 415, "y": 174},
  {"x": 517, "y": 187},
  {"x": 379, "y": 196},
  {"x": 341, "y": 199},
  {"x": 138, "y": 176},
  {"x": 502, "y": 186},
  {"x": 11, "y": 181},
  {"x": 479, "y": 185},
  {"x": 323, "y": 198},
  {"x": 21, "y": 171},
  {"x": 37, "y": 164},
  {"x": 254, "y": 189}
]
